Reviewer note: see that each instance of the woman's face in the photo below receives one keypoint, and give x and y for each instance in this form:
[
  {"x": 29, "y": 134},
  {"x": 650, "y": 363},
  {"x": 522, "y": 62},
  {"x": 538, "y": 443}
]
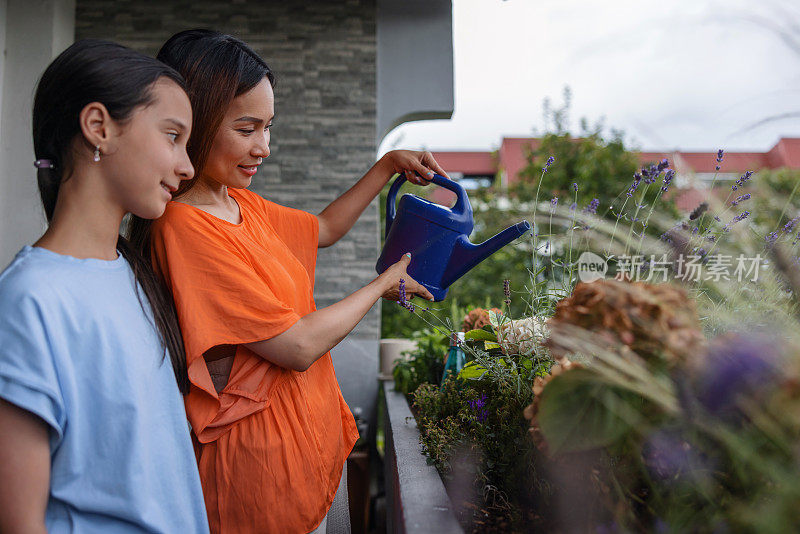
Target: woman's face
[
  {"x": 242, "y": 141},
  {"x": 148, "y": 159}
]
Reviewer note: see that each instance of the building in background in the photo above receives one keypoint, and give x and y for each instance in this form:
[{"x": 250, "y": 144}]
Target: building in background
[{"x": 694, "y": 170}]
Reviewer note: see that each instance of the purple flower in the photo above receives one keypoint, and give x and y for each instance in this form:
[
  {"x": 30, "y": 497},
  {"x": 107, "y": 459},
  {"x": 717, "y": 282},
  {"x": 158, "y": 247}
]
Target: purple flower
[
  {"x": 575, "y": 187},
  {"x": 554, "y": 202},
  {"x": 573, "y": 206},
  {"x": 402, "y": 301},
  {"x": 479, "y": 408},
  {"x": 668, "y": 176},
  {"x": 771, "y": 237},
  {"x": 637, "y": 178},
  {"x": 507, "y": 291},
  {"x": 549, "y": 162},
  {"x": 592, "y": 207},
  {"x": 663, "y": 164},
  {"x": 742, "y": 180},
  {"x": 789, "y": 225},
  {"x": 668, "y": 456},
  {"x": 740, "y": 198},
  {"x": 720, "y": 154},
  {"x": 736, "y": 219},
  {"x": 738, "y": 367}
]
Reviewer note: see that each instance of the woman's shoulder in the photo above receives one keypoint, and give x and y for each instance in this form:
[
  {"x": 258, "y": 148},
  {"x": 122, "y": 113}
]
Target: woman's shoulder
[
  {"x": 183, "y": 219},
  {"x": 253, "y": 200}
]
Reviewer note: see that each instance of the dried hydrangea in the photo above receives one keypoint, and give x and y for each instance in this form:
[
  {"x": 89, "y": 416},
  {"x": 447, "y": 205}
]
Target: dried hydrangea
[
  {"x": 477, "y": 318},
  {"x": 656, "y": 321}
]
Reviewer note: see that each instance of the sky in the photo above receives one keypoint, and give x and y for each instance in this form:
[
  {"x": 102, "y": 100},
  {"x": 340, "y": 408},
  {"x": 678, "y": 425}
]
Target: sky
[{"x": 672, "y": 74}]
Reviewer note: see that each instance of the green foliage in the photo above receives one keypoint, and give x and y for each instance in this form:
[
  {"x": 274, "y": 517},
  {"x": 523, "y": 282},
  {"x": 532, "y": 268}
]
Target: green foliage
[
  {"x": 424, "y": 365},
  {"x": 587, "y": 413},
  {"x": 476, "y": 427},
  {"x": 602, "y": 167}
]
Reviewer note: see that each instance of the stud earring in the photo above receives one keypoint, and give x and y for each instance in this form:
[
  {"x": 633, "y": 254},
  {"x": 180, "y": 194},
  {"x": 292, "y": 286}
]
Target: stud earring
[{"x": 97, "y": 153}]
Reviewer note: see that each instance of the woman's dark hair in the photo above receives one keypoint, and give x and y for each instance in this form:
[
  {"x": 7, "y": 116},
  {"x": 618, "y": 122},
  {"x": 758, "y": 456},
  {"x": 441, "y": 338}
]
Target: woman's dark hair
[
  {"x": 122, "y": 80},
  {"x": 217, "y": 68}
]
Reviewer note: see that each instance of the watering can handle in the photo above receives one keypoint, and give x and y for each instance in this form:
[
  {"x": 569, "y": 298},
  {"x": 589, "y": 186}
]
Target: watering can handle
[{"x": 437, "y": 179}]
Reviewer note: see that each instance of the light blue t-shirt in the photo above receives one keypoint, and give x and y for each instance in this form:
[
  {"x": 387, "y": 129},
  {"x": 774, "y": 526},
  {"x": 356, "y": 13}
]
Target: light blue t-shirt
[{"x": 77, "y": 350}]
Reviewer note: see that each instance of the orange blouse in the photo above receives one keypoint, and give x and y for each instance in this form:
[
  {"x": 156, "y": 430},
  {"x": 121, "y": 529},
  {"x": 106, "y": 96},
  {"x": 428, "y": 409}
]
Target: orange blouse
[{"x": 273, "y": 442}]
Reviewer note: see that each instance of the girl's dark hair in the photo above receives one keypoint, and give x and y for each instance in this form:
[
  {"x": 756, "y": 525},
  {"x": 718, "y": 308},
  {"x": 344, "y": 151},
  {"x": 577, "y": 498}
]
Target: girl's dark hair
[
  {"x": 122, "y": 80},
  {"x": 217, "y": 68}
]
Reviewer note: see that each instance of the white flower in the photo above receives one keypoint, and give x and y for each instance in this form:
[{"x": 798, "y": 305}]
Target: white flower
[{"x": 521, "y": 335}]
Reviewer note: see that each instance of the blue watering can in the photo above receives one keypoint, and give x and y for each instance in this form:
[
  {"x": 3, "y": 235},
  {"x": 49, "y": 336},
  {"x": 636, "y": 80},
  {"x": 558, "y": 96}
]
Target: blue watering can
[{"x": 437, "y": 237}]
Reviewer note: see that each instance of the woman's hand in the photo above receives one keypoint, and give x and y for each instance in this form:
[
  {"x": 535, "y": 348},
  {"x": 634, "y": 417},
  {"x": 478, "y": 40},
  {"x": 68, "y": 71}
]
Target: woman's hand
[
  {"x": 397, "y": 272},
  {"x": 418, "y": 167}
]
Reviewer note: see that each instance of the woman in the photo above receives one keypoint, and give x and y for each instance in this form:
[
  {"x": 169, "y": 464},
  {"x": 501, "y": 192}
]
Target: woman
[
  {"x": 93, "y": 434},
  {"x": 272, "y": 428}
]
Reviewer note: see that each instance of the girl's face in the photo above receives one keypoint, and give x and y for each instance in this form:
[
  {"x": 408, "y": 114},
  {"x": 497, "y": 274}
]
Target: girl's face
[
  {"x": 148, "y": 158},
  {"x": 242, "y": 140}
]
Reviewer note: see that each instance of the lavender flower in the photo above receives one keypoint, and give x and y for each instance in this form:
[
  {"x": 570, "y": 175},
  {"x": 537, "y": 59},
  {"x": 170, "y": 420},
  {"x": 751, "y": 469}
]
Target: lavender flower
[
  {"x": 507, "y": 291},
  {"x": 550, "y": 161},
  {"x": 574, "y": 187},
  {"x": 772, "y": 237},
  {"x": 720, "y": 154},
  {"x": 667, "y": 456},
  {"x": 663, "y": 164},
  {"x": 479, "y": 408},
  {"x": 738, "y": 367},
  {"x": 698, "y": 211},
  {"x": 592, "y": 207},
  {"x": 668, "y": 176},
  {"x": 553, "y": 202},
  {"x": 637, "y": 178},
  {"x": 736, "y": 219},
  {"x": 740, "y": 198},
  {"x": 742, "y": 180},
  {"x": 790, "y": 225},
  {"x": 573, "y": 206},
  {"x": 402, "y": 301}
]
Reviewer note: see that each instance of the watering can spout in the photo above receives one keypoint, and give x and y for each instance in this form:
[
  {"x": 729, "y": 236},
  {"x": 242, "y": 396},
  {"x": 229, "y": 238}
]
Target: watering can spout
[{"x": 467, "y": 255}]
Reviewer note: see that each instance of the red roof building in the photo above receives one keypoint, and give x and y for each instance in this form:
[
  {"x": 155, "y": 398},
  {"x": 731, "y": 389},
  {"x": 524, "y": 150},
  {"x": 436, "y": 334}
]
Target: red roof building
[{"x": 694, "y": 170}]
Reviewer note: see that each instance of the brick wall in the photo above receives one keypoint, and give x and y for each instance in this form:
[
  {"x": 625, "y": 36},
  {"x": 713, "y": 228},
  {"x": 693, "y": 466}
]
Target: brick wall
[{"x": 323, "y": 140}]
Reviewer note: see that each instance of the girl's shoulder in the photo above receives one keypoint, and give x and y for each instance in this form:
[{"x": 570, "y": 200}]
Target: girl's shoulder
[{"x": 37, "y": 273}]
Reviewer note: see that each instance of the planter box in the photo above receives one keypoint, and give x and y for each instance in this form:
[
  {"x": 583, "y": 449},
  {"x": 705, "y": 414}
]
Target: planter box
[{"x": 416, "y": 501}]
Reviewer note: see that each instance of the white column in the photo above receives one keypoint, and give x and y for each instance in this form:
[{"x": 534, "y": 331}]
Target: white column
[{"x": 32, "y": 33}]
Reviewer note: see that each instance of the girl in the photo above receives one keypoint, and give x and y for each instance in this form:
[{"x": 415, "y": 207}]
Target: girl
[
  {"x": 93, "y": 434},
  {"x": 272, "y": 429}
]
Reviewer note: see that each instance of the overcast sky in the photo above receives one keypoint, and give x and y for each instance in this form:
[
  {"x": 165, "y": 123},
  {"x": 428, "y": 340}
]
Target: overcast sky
[{"x": 673, "y": 74}]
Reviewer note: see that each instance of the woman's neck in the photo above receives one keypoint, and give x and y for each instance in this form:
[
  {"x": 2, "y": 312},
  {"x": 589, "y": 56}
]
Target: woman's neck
[
  {"x": 207, "y": 192},
  {"x": 85, "y": 223},
  {"x": 212, "y": 197}
]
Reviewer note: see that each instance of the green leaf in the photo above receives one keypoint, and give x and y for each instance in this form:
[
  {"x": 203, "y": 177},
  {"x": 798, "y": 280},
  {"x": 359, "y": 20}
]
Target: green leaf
[
  {"x": 480, "y": 334},
  {"x": 495, "y": 319},
  {"x": 490, "y": 345},
  {"x": 578, "y": 411},
  {"x": 472, "y": 371}
]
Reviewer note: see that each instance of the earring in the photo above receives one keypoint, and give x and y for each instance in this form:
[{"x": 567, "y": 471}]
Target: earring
[{"x": 97, "y": 153}]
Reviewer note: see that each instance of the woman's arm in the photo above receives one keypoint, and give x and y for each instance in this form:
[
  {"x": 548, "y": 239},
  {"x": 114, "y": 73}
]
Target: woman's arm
[
  {"x": 24, "y": 470},
  {"x": 315, "y": 334},
  {"x": 341, "y": 214}
]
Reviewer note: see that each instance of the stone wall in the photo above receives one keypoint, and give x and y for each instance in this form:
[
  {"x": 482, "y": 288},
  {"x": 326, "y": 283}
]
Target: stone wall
[{"x": 323, "y": 138}]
